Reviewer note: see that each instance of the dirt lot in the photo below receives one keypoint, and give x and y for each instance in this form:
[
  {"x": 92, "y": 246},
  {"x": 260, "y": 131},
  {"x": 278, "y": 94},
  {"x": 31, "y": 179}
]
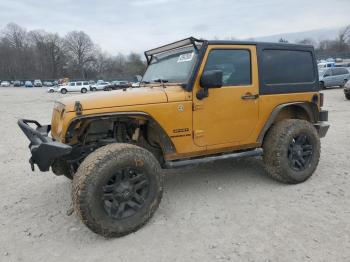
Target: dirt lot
[{"x": 228, "y": 210}]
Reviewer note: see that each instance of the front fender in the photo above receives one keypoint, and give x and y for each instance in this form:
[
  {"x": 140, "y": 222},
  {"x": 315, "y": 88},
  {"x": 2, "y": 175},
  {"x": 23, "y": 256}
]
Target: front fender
[{"x": 165, "y": 142}]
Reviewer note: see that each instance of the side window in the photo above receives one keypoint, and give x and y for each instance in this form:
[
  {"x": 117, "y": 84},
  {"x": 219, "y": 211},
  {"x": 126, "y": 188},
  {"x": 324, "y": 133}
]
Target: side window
[
  {"x": 288, "y": 67},
  {"x": 72, "y": 84},
  {"x": 344, "y": 71},
  {"x": 234, "y": 63},
  {"x": 78, "y": 83},
  {"x": 85, "y": 83}
]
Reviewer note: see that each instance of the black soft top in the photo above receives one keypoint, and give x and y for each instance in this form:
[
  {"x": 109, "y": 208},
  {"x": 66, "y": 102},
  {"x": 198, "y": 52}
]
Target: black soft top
[{"x": 264, "y": 88}]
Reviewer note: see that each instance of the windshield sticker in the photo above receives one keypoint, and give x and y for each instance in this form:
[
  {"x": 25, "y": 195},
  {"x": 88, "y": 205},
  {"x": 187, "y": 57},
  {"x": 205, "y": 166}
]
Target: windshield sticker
[{"x": 185, "y": 57}]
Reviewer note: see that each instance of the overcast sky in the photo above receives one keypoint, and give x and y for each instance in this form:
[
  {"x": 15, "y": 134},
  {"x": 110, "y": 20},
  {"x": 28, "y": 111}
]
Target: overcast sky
[{"x": 136, "y": 25}]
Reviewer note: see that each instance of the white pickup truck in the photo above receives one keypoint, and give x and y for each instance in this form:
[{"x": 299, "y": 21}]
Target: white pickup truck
[{"x": 78, "y": 86}]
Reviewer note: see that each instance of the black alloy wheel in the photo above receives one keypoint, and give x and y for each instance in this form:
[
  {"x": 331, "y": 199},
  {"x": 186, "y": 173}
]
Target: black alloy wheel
[
  {"x": 300, "y": 152},
  {"x": 125, "y": 193}
]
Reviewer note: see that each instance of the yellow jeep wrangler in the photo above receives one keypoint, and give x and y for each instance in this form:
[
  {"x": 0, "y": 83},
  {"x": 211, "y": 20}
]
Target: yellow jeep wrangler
[{"x": 198, "y": 101}]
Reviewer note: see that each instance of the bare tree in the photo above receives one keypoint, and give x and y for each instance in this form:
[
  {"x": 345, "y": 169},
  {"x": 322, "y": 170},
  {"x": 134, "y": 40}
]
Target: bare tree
[
  {"x": 15, "y": 36},
  {"x": 19, "y": 52},
  {"x": 81, "y": 50},
  {"x": 282, "y": 40},
  {"x": 49, "y": 53}
]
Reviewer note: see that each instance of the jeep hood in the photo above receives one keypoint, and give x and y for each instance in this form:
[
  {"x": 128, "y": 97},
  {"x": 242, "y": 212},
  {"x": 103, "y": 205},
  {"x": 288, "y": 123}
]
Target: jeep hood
[{"x": 127, "y": 97}]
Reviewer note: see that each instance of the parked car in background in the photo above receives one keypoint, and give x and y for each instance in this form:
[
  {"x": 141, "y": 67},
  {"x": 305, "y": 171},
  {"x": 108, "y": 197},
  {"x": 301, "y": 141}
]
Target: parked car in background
[
  {"x": 136, "y": 84},
  {"x": 99, "y": 86},
  {"x": 18, "y": 83},
  {"x": 347, "y": 90},
  {"x": 28, "y": 84},
  {"x": 78, "y": 86},
  {"x": 325, "y": 65},
  {"x": 5, "y": 83},
  {"x": 115, "y": 85},
  {"x": 335, "y": 76},
  {"x": 47, "y": 83},
  {"x": 53, "y": 89},
  {"x": 38, "y": 83}
]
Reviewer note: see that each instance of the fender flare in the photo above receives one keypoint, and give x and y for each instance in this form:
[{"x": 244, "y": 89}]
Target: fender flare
[
  {"x": 166, "y": 143},
  {"x": 310, "y": 109}
]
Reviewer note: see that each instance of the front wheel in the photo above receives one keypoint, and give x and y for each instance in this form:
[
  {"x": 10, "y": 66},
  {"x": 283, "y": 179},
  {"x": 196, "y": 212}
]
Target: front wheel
[
  {"x": 117, "y": 189},
  {"x": 63, "y": 91},
  {"x": 291, "y": 151},
  {"x": 347, "y": 96},
  {"x": 83, "y": 90}
]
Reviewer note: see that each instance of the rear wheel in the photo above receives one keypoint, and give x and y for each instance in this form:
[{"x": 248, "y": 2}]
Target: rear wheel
[
  {"x": 51, "y": 91},
  {"x": 291, "y": 151},
  {"x": 83, "y": 90},
  {"x": 94, "y": 89},
  {"x": 117, "y": 189},
  {"x": 347, "y": 96},
  {"x": 63, "y": 91}
]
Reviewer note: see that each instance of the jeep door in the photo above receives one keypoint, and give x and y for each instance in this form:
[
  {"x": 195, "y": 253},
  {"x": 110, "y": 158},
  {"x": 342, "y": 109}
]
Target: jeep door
[{"x": 229, "y": 114}]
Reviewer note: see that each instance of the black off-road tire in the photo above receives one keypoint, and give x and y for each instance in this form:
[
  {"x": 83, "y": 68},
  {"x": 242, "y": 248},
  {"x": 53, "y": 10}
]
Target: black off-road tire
[
  {"x": 347, "y": 96},
  {"x": 276, "y": 147},
  {"x": 63, "y": 91},
  {"x": 83, "y": 90},
  {"x": 90, "y": 181}
]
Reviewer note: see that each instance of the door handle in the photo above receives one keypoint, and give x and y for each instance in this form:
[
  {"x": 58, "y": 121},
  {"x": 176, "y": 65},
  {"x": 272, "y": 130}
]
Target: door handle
[{"x": 249, "y": 96}]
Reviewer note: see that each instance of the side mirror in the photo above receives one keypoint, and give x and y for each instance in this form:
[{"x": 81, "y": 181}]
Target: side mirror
[{"x": 209, "y": 79}]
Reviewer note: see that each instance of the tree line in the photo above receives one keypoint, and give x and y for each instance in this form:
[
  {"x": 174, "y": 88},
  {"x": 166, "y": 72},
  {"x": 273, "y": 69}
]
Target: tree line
[
  {"x": 43, "y": 55},
  {"x": 334, "y": 48}
]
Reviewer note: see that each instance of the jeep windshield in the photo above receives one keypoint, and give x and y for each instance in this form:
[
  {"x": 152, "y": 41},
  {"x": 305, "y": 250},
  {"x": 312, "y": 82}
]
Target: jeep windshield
[{"x": 174, "y": 66}]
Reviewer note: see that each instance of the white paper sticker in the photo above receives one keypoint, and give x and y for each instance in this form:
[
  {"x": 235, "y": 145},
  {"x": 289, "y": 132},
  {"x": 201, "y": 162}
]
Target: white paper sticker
[{"x": 185, "y": 57}]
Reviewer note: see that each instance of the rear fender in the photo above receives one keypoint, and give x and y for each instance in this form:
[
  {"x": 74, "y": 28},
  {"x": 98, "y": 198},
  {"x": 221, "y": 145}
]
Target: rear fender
[{"x": 310, "y": 109}]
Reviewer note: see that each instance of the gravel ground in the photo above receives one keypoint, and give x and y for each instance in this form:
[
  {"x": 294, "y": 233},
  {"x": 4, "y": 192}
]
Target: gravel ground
[{"x": 228, "y": 210}]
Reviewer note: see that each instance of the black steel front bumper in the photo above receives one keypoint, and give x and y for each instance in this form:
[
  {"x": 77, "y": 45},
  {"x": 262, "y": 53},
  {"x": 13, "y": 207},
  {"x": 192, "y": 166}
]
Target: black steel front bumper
[{"x": 43, "y": 148}]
